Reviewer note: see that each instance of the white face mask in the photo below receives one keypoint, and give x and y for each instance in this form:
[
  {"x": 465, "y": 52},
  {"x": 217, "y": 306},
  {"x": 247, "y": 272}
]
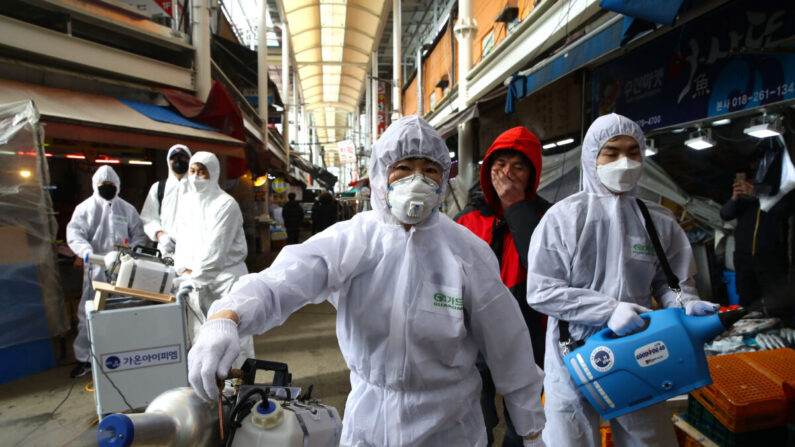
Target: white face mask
[
  {"x": 199, "y": 184},
  {"x": 413, "y": 198},
  {"x": 621, "y": 175}
]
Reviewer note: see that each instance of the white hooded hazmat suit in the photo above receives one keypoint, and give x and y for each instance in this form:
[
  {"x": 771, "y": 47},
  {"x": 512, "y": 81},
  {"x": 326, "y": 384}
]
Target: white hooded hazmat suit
[
  {"x": 210, "y": 243},
  {"x": 96, "y": 226},
  {"x": 158, "y": 216},
  {"x": 589, "y": 252},
  {"x": 413, "y": 310}
]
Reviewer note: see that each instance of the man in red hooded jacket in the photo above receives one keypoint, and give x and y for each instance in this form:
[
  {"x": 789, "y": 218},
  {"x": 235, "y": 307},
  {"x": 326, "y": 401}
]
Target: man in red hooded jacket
[{"x": 506, "y": 219}]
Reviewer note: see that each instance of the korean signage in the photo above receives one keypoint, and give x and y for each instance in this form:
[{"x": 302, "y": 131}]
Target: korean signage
[
  {"x": 381, "y": 109},
  {"x": 155, "y": 7},
  {"x": 717, "y": 64},
  {"x": 279, "y": 185},
  {"x": 120, "y": 361},
  {"x": 347, "y": 151},
  {"x": 166, "y": 5}
]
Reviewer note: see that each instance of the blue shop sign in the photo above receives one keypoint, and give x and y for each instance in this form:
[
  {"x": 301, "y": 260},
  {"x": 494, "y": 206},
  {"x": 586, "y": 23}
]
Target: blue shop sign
[{"x": 729, "y": 60}]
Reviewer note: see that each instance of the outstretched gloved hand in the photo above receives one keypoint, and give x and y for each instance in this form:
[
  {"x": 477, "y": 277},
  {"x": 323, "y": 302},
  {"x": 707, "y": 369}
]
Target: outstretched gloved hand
[
  {"x": 212, "y": 355},
  {"x": 699, "y": 308},
  {"x": 182, "y": 281},
  {"x": 165, "y": 243},
  {"x": 626, "y": 318}
]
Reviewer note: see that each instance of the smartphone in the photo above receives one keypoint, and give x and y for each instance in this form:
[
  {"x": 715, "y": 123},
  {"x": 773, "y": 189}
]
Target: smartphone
[{"x": 739, "y": 179}]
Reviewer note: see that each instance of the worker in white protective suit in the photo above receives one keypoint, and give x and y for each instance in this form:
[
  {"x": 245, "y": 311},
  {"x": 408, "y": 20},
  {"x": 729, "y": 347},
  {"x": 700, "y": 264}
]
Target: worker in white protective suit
[
  {"x": 211, "y": 247},
  {"x": 159, "y": 213},
  {"x": 417, "y": 296},
  {"x": 585, "y": 267},
  {"x": 98, "y": 223}
]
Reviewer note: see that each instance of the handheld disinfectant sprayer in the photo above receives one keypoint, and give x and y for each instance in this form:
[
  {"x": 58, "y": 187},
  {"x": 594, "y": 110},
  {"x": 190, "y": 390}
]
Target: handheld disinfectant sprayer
[{"x": 621, "y": 374}]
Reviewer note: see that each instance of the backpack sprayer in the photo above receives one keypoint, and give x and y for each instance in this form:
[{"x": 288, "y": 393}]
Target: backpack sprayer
[
  {"x": 621, "y": 374},
  {"x": 250, "y": 415}
]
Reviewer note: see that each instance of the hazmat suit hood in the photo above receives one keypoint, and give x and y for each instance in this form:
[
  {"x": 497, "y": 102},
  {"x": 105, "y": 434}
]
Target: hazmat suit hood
[
  {"x": 408, "y": 137},
  {"x": 105, "y": 174},
  {"x": 171, "y": 151},
  {"x": 519, "y": 139},
  {"x": 210, "y": 161},
  {"x": 603, "y": 129}
]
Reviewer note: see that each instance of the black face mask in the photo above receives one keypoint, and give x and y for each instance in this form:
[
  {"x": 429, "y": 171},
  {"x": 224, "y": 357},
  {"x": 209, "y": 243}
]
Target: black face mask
[
  {"x": 106, "y": 191},
  {"x": 179, "y": 166}
]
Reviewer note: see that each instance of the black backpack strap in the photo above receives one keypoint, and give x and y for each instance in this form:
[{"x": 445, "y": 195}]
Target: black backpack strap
[
  {"x": 670, "y": 276},
  {"x": 161, "y": 191},
  {"x": 565, "y": 342}
]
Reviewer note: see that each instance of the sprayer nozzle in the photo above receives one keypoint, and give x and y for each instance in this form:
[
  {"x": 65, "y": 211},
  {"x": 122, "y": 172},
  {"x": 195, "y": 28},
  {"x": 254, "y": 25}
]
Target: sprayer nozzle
[{"x": 727, "y": 319}]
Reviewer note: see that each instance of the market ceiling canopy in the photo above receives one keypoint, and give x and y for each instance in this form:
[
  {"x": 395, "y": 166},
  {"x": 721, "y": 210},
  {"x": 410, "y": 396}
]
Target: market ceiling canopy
[{"x": 332, "y": 41}]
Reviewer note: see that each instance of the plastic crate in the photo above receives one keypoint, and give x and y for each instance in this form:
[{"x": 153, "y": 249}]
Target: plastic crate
[
  {"x": 711, "y": 427},
  {"x": 750, "y": 391}
]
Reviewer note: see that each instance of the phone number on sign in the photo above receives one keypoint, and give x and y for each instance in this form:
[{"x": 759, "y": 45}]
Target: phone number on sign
[
  {"x": 757, "y": 96},
  {"x": 651, "y": 121}
]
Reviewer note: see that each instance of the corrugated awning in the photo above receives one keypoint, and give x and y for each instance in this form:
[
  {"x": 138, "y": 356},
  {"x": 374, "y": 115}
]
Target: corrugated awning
[
  {"x": 104, "y": 119},
  {"x": 321, "y": 175}
]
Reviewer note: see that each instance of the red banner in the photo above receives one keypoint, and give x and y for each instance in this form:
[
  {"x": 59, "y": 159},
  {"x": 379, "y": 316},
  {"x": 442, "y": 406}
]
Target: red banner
[{"x": 381, "y": 109}]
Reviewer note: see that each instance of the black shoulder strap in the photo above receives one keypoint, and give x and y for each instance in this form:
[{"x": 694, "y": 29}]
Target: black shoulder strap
[
  {"x": 161, "y": 191},
  {"x": 673, "y": 280}
]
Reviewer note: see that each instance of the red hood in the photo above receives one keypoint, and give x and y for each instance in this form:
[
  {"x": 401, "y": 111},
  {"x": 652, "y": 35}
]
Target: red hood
[{"x": 519, "y": 139}]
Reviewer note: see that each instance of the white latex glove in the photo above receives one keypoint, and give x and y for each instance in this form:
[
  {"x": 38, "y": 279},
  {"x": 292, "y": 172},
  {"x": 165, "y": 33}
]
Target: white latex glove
[
  {"x": 537, "y": 442},
  {"x": 181, "y": 281},
  {"x": 626, "y": 318},
  {"x": 699, "y": 308},
  {"x": 212, "y": 355},
  {"x": 165, "y": 243}
]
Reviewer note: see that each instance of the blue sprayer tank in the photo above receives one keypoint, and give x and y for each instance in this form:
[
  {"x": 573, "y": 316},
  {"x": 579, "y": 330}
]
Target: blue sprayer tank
[{"x": 621, "y": 374}]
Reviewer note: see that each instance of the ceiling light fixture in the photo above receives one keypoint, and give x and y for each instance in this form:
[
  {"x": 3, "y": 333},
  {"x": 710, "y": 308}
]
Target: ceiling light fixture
[
  {"x": 564, "y": 142},
  {"x": 700, "y": 140},
  {"x": 765, "y": 127},
  {"x": 650, "y": 148},
  {"x": 548, "y": 146},
  {"x": 722, "y": 122}
]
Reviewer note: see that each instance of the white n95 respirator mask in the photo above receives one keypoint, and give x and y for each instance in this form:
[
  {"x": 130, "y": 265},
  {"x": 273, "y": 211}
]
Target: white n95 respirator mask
[
  {"x": 621, "y": 175},
  {"x": 198, "y": 184},
  {"x": 413, "y": 198}
]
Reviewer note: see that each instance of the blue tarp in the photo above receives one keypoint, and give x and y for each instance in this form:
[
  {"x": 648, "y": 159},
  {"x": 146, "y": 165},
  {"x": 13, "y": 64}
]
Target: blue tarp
[
  {"x": 564, "y": 63},
  {"x": 164, "y": 115},
  {"x": 23, "y": 318},
  {"x": 654, "y": 11},
  {"x": 639, "y": 16}
]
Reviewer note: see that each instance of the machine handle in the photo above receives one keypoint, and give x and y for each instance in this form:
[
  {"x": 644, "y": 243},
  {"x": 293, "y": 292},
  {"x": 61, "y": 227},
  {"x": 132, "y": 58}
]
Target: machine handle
[
  {"x": 147, "y": 251},
  {"x": 281, "y": 376},
  {"x": 608, "y": 334}
]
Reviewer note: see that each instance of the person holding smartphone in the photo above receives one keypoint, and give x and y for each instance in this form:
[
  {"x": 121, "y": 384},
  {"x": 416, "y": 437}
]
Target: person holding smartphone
[{"x": 760, "y": 258}]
